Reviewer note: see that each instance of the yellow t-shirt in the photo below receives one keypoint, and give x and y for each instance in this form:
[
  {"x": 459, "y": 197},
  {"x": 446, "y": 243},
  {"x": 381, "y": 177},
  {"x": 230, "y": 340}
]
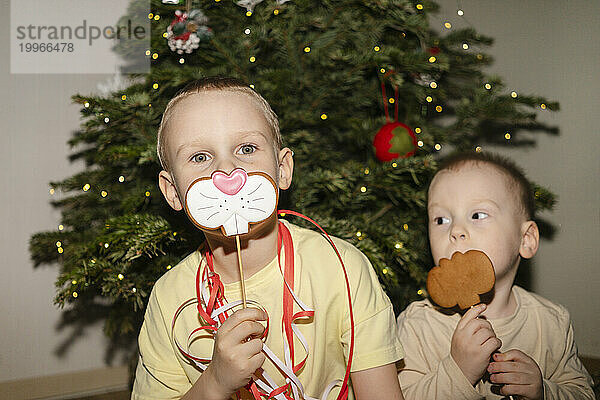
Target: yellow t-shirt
[{"x": 163, "y": 373}]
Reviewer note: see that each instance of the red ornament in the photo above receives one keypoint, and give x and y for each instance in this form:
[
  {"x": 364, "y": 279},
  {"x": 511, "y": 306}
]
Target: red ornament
[{"x": 394, "y": 140}]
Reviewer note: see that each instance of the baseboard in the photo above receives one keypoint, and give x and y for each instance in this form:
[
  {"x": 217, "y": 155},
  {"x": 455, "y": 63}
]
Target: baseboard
[{"x": 67, "y": 386}]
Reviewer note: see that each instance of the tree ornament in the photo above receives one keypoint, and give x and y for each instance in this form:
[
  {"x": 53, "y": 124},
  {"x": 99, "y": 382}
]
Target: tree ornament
[
  {"x": 187, "y": 30},
  {"x": 394, "y": 139}
]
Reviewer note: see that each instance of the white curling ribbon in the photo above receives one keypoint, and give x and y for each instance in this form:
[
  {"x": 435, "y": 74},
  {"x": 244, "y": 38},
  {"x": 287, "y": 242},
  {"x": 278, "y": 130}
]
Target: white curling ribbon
[
  {"x": 232, "y": 201},
  {"x": 267, "y": 384}
]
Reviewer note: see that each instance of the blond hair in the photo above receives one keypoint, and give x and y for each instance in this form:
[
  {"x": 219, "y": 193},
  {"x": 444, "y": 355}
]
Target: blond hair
[{"x": 214, "y": 83}]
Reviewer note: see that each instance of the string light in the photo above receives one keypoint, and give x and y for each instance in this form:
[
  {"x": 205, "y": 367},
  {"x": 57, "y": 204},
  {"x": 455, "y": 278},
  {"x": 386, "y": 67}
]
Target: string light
[
  {"x": 247, "y": 31},
  {"x": 51, "y": 191},
  {"x": 507, "y": 136},
  {"x": 124, "y": 97},
  {"x": 394, "y": 165},
  {"x": 391, "y": 100},
  {"x": 276, "y": 11},
  {"x": 307, "y": 49},
  {"x": 73, "y": 282},
  {"x": 447, "y": 25},
  {"x": 252, "y": 59},
  {"x": 58, "y": 244},
  {"x": 419, "y": 6},
  {"x": 358, "y": 234},
  {"x": 252, "y": 86},
  {"x": 479, "y": 56},
  {"x": 61, "y": 227},
  {"x": 134, "y": 290},
  {"x": 150, "y": 16},
  {"x": 367, "y": 171},
  {"x": 248, "y": 13},
  {"x": 513, "y": 95},
  {"x": 169, "y": 266},
  {"x": 156, "y": 17},
  {"x": 121, "y": 179},
  {"x": 420, "y": 292},
  {"x": 437, "y": 146},
  {"x": 106, "y": 120},
  {"x": 154, "y": 56},
  {"x": 432, "y": 59},
  {"x": 385, "y": 271},
  {"x": 433, "y": 85},
  {"x": 120, "y": 276},
  {"x": 398, "y": 245},
  {"x": 382, "y": 70},
  {"x": 465, "y": 46},
  {"x": 417, "y": 130},
  {"x": 165, "y": 35},
  {"x": 86, "y": 187},
  {"x": 376, "y": 48},
  {"x": 420, "y": 143},
  {"x": 86, "y": 104},
  {"x": 429, "y": 99},
  {"x": 543, "y": 106},
  {"x": 478, "y": 149},
  {"x": 460, "y": 12},
  {"x": 75, "y": 294},
  {"x": 405, "y": 227},
  {"x": 438, "y": 108},
  {"x": 60, "y": 250},
  {"x": 323, "y": 116},
  {"x": 148, "y": 51},
  {"x": 104, "y": 193},
  {"x": 147, "y": 194},
  {"x": 487, "y": 86},
  {"x": 181, "y": 60},
  {"x": 155, "y": 86},
  {"x": 106, "y": 245},
  {"x": 363, "y": 189}
]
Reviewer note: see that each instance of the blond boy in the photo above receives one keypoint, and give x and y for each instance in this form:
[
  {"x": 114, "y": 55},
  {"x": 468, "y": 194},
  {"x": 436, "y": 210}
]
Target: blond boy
[
  {"x": 222, "y": 124},
  {"x": 519, "y": 344}
]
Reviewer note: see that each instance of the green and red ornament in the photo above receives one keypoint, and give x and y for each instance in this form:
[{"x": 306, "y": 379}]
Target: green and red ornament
[
  {"x": 394, "y": 139},
  {"x": 187, "y": 30}
]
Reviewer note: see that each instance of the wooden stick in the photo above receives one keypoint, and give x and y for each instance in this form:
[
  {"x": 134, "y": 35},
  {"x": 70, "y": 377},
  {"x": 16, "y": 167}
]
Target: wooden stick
[{"x": 239, "y": 252}]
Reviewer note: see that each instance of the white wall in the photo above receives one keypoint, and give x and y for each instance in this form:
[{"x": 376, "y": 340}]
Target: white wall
[
  {"x": 36, "y": 120},
  {"x": 541, "y": 47},
  {"x": 551, "y": 48}
]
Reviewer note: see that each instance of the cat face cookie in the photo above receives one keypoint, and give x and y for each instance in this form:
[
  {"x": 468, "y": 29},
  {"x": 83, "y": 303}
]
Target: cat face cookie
[
  {"x": 231, "y": 202},
  {"x": 461, "y": 279}
]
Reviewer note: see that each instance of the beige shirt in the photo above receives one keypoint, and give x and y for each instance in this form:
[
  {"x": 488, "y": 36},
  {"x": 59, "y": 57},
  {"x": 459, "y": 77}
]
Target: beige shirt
[
  {"x": 539, "y": 328},
  {"x": 163, "y": 373}
]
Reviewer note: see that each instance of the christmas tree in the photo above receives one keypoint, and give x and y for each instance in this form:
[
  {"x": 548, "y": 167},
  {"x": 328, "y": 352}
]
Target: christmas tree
[{"x": 336, "y": 73}]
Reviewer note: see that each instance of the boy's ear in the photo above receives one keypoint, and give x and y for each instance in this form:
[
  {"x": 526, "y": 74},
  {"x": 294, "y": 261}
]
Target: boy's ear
[
  {"x": 168, "y": 189},
  {"x": 530, "y": 239},
  {"x": 286, "y": 167}
]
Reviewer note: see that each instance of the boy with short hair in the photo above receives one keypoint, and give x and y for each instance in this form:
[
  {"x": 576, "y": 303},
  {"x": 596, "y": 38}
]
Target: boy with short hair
[
  {"x": 220, "y": 124},
  {"x": 519, "y": 344}
]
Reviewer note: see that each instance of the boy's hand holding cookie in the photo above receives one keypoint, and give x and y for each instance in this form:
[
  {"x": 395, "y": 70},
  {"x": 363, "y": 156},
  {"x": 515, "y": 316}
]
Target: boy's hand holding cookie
[
  {"x": 519, "y": 374},
  {"x": 473, "y": 342},
  {"x": 237, "y": 353}
]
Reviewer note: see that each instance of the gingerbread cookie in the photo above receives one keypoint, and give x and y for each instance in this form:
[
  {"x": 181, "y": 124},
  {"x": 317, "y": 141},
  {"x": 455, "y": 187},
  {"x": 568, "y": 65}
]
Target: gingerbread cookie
[{"x": 461, "y": 280}]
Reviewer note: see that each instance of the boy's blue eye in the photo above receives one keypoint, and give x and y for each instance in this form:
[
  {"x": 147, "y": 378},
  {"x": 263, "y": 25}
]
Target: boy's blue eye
[
  {"x": 247, "y": 149},
  {"x": 479, "y": 215},
  {"x": 441, "y": 220},
  {"x": 199, "y": 157}
]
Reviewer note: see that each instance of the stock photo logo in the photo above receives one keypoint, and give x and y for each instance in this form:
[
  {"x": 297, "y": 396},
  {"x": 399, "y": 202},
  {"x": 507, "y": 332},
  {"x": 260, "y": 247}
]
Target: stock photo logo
[{"x": 86, "y": 36}]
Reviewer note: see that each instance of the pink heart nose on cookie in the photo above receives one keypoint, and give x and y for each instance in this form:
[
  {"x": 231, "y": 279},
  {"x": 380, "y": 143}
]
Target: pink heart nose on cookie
[{"x": 232, "y": 183}]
